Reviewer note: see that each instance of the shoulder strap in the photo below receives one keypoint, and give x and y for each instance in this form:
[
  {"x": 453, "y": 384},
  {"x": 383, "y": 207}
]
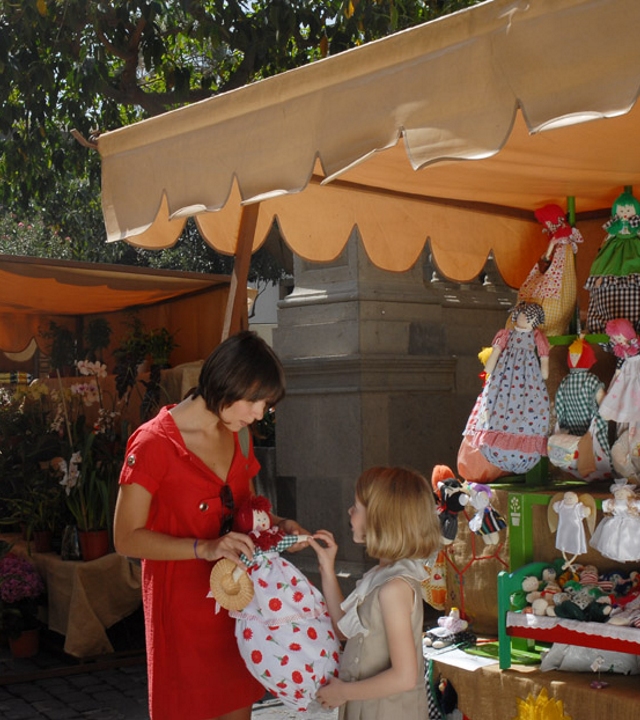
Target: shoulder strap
[{"x": 243, "y": 439}]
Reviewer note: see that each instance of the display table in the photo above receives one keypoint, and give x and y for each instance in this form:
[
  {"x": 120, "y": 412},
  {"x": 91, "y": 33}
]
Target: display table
[
  {"x": 488, "y": 693},
  {"x": 84, "y": 599}
]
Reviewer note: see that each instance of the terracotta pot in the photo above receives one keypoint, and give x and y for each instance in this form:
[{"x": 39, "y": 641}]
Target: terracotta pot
[
  {"x": 42, "y": 540},
  {"x": 26, "y": 645},
  {"x": 93, "y": 543}
]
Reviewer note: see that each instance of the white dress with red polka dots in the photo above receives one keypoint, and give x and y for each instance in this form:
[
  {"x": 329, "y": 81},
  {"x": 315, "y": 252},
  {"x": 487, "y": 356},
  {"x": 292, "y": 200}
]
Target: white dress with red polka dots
[{"x": 285, "y": 634}]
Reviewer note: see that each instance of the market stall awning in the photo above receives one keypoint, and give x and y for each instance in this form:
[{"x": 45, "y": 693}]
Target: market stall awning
[
  {"x": 453, "y": 131},
  {"x": 34, "y": 291}
]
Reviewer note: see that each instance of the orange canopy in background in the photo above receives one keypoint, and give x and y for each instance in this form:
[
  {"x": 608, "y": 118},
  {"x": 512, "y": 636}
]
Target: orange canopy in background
[
  {"x": 34, "y": 291},
  {"x": 453, "y": 131}
]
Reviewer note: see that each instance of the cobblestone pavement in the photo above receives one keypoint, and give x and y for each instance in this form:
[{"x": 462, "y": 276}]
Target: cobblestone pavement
[{"x": 52, "y": 687}]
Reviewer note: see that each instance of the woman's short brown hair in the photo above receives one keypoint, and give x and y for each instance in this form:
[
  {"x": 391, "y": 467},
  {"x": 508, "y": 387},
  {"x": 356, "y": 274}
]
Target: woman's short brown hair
[
  {"x": 243, "y": 367},
  {"x": 401, "y": 520}
]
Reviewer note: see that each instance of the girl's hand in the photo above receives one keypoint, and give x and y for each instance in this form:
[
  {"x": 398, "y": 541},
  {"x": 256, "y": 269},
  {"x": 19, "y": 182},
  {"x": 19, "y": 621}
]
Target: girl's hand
[
  {"x": 333, "y": 694},
  {"x": 228, "y": 546},
  {"x": 327, "y": 551}
]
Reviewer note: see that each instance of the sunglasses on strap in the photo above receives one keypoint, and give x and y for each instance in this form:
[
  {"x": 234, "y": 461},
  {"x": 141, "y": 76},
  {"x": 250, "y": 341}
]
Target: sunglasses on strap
[{"x": 226, "y": 497}]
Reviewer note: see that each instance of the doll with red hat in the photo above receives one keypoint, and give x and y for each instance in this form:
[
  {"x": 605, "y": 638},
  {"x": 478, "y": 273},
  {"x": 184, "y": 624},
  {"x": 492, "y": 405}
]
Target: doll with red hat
[
  {"x": 552, "y": 281},
  {"x": 580, "y": 441},
  {"x": 283, "y": 629},
  {"x": 451, "y": 498}
]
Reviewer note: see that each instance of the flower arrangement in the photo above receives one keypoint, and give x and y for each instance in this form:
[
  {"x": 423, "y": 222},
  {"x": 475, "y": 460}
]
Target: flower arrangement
[{"x": 21, "y": 592}]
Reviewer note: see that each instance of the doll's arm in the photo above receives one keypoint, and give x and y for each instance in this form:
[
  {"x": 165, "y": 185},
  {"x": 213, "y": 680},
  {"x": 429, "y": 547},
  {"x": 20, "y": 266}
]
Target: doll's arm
[{"x": 493, "y": 359}]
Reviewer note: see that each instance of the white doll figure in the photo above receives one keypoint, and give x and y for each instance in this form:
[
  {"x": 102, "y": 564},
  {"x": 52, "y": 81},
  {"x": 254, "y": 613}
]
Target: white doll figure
[
  {"x": 618, "y": 533},
  {"x": 508, "y": 427},
  {"x": 487, "y": 521},
  {"x": 566, "y": 514}
]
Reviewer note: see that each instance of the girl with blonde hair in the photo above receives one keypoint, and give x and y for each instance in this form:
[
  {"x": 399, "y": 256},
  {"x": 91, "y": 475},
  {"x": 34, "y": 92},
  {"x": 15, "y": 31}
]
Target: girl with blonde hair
[{"x": 382, "y": 667}]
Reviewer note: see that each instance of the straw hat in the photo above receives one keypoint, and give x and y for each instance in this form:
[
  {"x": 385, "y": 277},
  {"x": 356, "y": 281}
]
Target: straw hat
[{"x": 230, "y": 585}]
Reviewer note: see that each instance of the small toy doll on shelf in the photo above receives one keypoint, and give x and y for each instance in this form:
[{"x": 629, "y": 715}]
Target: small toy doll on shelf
[
  {"x": 508, "y": 427},
  {"x": 618, "y": 533},
  {"x": 580, "y": 441},
  {"x": 487, "y": 521},
  {"x": 552, "y": 281},
  {"x": 283, "y": 629},
  {"x": 614, "y": 277},
  {"x": 622, "y": 400},
  {"x": 566, "y": 514}
]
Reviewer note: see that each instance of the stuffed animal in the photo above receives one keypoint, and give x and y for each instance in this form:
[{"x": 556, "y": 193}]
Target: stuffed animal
[
  {"x": 614, "y": 277},
  {"x": 583, "y": 603},
  {"x": 284, "y": 631},
  {"x": 451, "y": 498},
  {"x": 487, "y": 522},
  {"x": 552, "y": 281},
  {"x": 450, "y": 627}
]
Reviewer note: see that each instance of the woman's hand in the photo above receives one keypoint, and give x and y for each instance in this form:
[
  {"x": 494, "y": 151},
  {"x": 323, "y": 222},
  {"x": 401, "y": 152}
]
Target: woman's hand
[
  {"x": 291, "y": 527},
  {"x": 333, "y": 694},
  {"x": 230, "y": 546}
]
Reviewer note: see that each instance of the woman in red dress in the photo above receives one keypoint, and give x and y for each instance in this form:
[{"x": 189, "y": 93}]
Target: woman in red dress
[{"x": 184, "y": 473}]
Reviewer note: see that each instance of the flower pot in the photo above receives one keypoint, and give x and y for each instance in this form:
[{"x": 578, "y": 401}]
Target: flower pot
[
  {"x": 42, "y": 540},
  {"x": 26, "y": 645},
  {"x": 93, "y": 543}
]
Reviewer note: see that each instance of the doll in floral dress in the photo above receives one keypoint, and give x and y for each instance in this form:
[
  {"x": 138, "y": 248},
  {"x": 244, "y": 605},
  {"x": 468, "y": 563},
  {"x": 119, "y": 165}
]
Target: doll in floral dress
[{"x": 509, "y": 424}]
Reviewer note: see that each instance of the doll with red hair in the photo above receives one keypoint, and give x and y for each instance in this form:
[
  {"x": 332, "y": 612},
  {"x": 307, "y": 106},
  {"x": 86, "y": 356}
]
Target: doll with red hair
[{"x": 283, "y": 628}]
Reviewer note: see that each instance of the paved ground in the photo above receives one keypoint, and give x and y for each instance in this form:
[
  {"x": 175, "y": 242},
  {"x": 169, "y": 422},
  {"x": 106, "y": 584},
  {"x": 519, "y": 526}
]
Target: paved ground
[{"x": 53, "y": 686}]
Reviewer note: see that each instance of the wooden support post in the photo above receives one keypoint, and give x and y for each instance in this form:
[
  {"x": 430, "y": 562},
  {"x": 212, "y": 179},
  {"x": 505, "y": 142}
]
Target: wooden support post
[{"x": 236, "y": 311}]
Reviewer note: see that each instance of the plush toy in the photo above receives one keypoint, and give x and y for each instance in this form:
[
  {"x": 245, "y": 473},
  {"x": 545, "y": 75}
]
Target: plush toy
[
  {"x": 284, "y": 631},
  {"x": 618, "y": 533},
  {"x": 449, "y": 629},
  {"x": 579, "y": 444},
  {"x": 583, "y": 603},
  {"x": 508, "y": 427},
  {"x": 552, "y": 281},
  {"x": 614, "y": 277},
  {"x": 451, "y": 498},
  {"x": 566, "y": 514},
  {"x": 487, "y": 521}
]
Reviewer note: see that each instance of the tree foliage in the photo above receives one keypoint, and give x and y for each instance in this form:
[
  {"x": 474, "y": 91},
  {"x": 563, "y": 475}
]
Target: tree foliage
[{"x": 96, "y": 66}]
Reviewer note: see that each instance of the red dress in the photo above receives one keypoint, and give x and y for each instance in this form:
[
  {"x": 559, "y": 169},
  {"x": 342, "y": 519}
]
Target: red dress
[{"x": 194, "y": 667}]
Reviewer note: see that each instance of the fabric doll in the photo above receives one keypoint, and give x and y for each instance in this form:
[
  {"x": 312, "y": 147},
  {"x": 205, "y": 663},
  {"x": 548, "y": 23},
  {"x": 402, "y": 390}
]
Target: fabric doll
[
  {"x": 487, "y": 522},
  {"x": 618, "y": 534},
  {"x": 283, "y": 629},
  {"x": 508, "y": 427},
  {"x": 566, "y": 514},
  {"x": 451, "y": 629},
  {"x": 614, "y": 277},
  {"x": 552, "y": 281},
  {"x": 451, "y": 498},
  {"x": 580, "y": 442},
  {"x": 622, "y": 400}
]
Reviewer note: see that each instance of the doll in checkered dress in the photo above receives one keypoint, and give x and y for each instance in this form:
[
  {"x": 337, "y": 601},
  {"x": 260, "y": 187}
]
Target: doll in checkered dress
[{"x": 614, "y": 278}]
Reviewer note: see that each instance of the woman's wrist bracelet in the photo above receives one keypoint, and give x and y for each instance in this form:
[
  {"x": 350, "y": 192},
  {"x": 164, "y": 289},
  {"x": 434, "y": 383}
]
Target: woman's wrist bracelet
[{"x": 195, "y": 549}]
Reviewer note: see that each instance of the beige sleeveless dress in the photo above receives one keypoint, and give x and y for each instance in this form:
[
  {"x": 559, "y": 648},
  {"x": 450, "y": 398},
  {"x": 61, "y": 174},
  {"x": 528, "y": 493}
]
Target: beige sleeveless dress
[{"x": 367, "y": 652}]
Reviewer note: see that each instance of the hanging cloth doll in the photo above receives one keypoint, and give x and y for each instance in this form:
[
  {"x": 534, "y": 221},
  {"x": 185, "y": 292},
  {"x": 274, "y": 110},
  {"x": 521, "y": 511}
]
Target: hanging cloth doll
[
  {"x": 618, "y": 534},
  {"x": 508, "y": 427},
  {"x": 552, "y": 281},
  {"x": 284, "y": 632},
  {"x": 566, "y": 514},
  {"x": 622, "y": 400},
  {"x": 487, "y": 521},
  {"x": 580, "y": 442},
  {"x": 614, "y": 277}
]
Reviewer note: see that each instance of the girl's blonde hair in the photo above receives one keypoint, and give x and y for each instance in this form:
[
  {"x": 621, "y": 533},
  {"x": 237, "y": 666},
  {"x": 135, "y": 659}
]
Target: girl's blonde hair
[{"x": 401, "y": 520}]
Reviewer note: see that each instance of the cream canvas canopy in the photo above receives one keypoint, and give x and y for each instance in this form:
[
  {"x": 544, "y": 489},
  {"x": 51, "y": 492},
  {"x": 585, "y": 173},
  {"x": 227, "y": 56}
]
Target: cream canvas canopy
[{"x": 454, "y": 132}]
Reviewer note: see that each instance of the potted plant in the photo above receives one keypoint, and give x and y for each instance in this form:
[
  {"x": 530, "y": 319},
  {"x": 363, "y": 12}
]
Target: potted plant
[
  {"x": 62, "y": 347},
  {"x": 97, "y": 337},
  {"x": 21, "y": 593}
]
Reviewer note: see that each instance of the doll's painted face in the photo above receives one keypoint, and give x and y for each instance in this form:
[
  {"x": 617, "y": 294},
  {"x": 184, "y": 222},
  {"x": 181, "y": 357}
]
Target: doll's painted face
[
  {"x": 523, "y": 322},
  {"x": 261, "y": 520},
  {"x": 625, "y": 211}
]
